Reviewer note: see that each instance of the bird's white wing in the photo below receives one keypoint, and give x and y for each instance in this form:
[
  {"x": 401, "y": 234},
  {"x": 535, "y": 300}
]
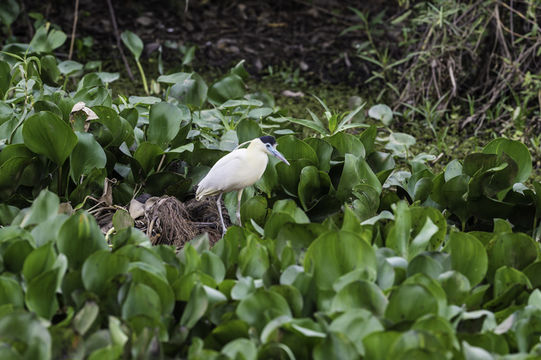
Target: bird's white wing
[{"x": 225, "y": 175}]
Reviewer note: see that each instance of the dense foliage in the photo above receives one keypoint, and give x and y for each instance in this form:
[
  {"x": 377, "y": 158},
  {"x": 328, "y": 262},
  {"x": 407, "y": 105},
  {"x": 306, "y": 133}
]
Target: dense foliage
[{"x": 356, "y": 249}]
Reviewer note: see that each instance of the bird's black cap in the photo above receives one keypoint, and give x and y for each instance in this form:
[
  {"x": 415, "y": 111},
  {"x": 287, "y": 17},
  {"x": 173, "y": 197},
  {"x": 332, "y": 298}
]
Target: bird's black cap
[{"x": 268, "y": 140}]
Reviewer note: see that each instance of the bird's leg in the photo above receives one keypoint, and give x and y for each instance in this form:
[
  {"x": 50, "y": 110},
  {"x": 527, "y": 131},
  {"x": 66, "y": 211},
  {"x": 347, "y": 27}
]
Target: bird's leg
[
  {"x": 218, "y": 202},
  {"x": 239, "y": 197}
]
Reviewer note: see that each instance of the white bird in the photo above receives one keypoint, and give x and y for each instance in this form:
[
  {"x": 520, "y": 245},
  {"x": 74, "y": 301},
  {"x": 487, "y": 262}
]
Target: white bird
[{"x": 237, "y": 170}]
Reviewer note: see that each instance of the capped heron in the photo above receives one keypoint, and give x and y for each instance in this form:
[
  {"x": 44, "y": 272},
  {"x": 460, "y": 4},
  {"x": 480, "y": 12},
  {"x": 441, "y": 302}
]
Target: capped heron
[{"x": 237, "y": 170}]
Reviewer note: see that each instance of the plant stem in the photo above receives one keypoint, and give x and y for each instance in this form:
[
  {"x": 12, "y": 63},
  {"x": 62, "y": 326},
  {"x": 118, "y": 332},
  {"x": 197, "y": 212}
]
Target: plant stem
[
  {"x": 143, "y": 77},
  {"x": 59, "y": 184}
]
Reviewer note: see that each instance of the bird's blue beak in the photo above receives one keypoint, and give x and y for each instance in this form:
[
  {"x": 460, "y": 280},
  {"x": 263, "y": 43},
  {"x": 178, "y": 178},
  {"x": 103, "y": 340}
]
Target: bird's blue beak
[{"x": 278, "y": 155}]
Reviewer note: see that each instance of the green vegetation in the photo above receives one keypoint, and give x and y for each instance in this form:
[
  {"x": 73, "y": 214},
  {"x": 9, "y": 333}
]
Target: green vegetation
[{"x": 359, "y": 248}]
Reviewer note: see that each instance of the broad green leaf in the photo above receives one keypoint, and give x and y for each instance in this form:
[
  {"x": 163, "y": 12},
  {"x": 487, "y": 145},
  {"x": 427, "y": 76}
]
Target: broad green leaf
[
  {"x": 146, "y": 155},
  {"x": 421, "y": 241},
  {"x": 5, "y": 79},
  {"x": 360, "y": 295},
  {"x": 133, "y": 43},
  {"x": 141, "y": 273},
  {"x": 46, "y": 39},
  {"x": 409, "y": 302},
  {"x": 399, "y": 235},
  {"x": 229, "y": 87},
  {"x": 506, "y": 278},
  {"x": 174, "y": 78},
  {"x": 141, "y": 300},
  {"x": 40, "y": 295},
  {"x": 346, "y": 143},
  {"x": 456, "y": 285},
  {"x": 79, "y": 237},
  {"x": 100, "y": 268},
  {"x": 240, "y": 349},
  {"x": 381, "y": 112},
  {"x": 45, "y": 133},
  {"x": 11, "y": 292},
  {"x": 86, "y": 317},
  {"x": 296, "y": 149},
  {"x": 336, "y": 253},
  {"x": 517, "y": 151},
  {"x": 39, "y": 261},
  {"x": 69, "y": 67},
  {"x": 9, "y": 10},
  {"x": 516, "y": 250},
  {"x": 253, "y": 259},
  {"x": 261, "y": 307},
  {"x": 44, "y": 207},
  {"x": 335, "y": 346},
  {"x": 86, "y": 156},
  {"x": 29, "y": 333},
  {"x": 122, "y": 220},
  {"x": 163, "y": 123},
  {"x": 212, "y": 265},
  {"x": 191, "y": 91},
  {"x": 378, "y": 344},
  {"x": 356, "y": 324},
  {"x": 196, "y": 307},
  {"x": 248, "y": 129},
  {"x": 468, "y": 256},
  {"x": 119, "y": 128}
]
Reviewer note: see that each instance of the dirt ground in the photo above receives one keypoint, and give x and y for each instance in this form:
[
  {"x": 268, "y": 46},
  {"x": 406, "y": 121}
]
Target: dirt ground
[{"x": 304, "y": 35}]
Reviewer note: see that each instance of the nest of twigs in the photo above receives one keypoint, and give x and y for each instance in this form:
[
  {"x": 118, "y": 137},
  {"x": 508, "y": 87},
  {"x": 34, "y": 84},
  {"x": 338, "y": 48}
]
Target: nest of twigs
[
  {"x": 171, "y": 222},
  {"x": 166, "y": 220}
]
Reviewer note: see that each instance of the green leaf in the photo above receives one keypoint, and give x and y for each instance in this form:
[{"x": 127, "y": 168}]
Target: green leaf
[
  {"x": 39, "y": 261},
  {"x": 141, "y": 300},
  {"x": 5, "y": 79},
  {"x": 69, "y": 67},
  {"x": 334, "y": 254},
  {"x": 378, "y": 344},
  {"x": 119, "y": 128},
  {"x": 79, "y": 237},
  {"x": 240, "y": 349},
  {"x": 517, "y": 151},
  {"x": 515, "y": 250},
  {"x": 44, "y": 207},
  {"x": 163, "y": 123},
  {"x": 9, "y": 10},
  {"x": 196, "y": 307},
  {"x": 248, "y": 129},
  {"x": 399, "y": 235},
  {"x": 100, "y": 268},
  {"x": 122, "y": 220},
  {"x": 40, "y": 295},
  {"x": 229, "y": 87},
  {"x": 262, "y": 306},
  {"x": 381, "y": 112},
  {"x": 296, "y": 149},
  {"x": 133, "y": 43},
  {"x": 86, "y": 317},
  {"x": 360, "y": 295},
  {"x": 11, "y": 292},
  {"x": 28, "y": 333},
  {"x": 346, "y": 143},
  {"x": 46, "y": 40},
  {"x": 409, "y": 302},
  {"x": 468, "y": 256},
  {"x": 356, "y": 324},
  {"x": 421, "y": 241},
  {"x": 253, "y": 259},
  {"x": 45, "y": 133},
  {"x": 86, "y": 156},
  {"x": 191, "y": 91},
  {"x": 146, "y": 155},
  {"x": 335, "y": 346}
]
